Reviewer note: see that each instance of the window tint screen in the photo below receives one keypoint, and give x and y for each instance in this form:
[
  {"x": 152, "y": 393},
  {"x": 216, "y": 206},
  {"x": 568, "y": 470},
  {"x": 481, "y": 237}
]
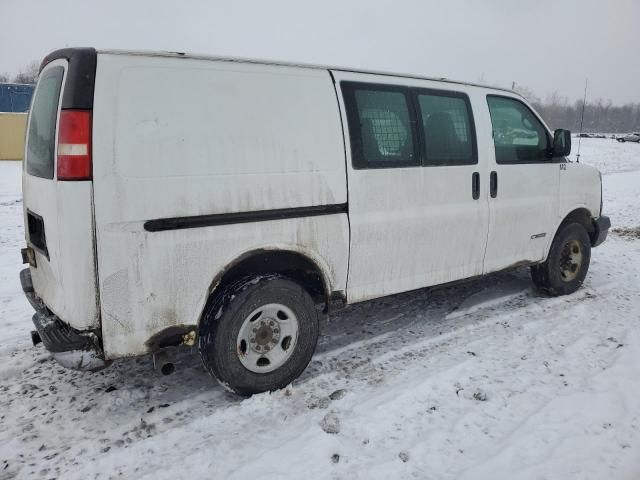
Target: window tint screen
[{"x": 379, "y": 126}]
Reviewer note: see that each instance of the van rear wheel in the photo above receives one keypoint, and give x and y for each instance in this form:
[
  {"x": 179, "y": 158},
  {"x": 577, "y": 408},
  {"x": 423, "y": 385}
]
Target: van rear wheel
[
  {"x": 566, "y": 266},
  {"x": 259, "y": 334}
]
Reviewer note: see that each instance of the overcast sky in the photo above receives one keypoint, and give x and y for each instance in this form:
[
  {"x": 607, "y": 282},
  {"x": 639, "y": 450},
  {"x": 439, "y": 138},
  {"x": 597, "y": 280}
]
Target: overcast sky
[{"x": 544, "y": 44}]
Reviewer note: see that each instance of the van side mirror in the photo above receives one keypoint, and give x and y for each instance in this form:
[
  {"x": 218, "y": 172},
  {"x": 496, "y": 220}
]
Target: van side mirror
[{"x": 561, "y": 143}]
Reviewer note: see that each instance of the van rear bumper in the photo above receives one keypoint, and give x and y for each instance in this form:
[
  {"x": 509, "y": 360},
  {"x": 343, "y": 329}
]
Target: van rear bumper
[{"x": 68, "y": 346}]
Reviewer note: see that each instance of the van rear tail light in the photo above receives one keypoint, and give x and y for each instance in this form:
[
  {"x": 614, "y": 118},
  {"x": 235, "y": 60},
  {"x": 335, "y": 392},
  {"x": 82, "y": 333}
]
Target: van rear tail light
[{"x": 74, "y": 145}]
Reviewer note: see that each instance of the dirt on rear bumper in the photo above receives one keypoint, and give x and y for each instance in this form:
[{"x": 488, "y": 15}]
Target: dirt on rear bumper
[{"x": 68, "y": 346}]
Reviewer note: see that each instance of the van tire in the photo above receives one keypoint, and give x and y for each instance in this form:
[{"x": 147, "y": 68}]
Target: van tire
[
  {"x": 566, "y": 266},
  {"x": 226, "y": 318}
]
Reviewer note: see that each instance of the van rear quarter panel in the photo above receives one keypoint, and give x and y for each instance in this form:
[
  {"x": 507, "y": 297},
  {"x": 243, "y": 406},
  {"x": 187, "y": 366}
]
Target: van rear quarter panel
[{"x": 179, "y": 137}]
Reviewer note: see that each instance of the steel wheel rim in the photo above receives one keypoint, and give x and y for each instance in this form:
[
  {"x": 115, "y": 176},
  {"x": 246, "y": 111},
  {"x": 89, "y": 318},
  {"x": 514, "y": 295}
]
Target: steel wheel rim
[
  {"x": 267, "y": 338},
  {"x": 571, "y": 259}
]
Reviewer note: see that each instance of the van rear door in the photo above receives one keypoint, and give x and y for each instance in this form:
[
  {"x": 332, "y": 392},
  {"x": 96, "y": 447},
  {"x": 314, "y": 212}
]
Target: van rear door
[{"x": 58, "y": 191}]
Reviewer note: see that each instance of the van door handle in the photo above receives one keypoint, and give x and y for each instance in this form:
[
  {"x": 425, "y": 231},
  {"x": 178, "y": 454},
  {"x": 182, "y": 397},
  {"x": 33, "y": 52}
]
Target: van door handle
[
  {"x": 493, "y": 184},
  {"x": 475, "y": 185}
]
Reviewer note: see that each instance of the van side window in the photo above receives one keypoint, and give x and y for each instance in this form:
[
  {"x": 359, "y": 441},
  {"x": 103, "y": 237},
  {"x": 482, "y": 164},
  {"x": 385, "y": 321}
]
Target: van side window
[
  {"x": 518, "y": 135},
  {"x": 42, "y": 124},
  {"x": 449, "y": 136},
  {"x": 380, "y": 125}
]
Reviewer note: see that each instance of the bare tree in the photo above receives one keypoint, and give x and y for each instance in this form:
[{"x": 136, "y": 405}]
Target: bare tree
[
  {"x": 526, "y": 92},
  {"x": 29, "y": 74},
  {"x": 4, "y": 78}
]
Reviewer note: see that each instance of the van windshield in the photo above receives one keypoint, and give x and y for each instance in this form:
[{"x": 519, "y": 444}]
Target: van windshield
[{"x": 42, "y": 125}]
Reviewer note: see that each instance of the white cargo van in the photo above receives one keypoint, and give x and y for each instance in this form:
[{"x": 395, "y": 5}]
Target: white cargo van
[{"x": 182, "y": 200}]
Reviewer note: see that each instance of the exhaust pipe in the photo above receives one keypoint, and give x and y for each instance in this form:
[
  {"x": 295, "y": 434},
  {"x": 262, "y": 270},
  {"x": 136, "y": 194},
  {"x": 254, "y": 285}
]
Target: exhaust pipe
[{"x": 163, "y": 363}]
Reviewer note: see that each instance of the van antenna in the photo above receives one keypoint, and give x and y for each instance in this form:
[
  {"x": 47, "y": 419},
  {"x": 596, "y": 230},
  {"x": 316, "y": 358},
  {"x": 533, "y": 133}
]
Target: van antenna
[{"x": 584, "y": 102}]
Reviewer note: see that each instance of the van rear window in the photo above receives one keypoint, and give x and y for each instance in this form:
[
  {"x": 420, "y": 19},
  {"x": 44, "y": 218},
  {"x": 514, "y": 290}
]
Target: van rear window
[{"x": 42, "y": 124}]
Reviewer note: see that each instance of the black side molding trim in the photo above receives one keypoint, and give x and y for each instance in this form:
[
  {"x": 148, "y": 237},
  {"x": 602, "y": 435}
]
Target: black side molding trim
[{"x": 179, "y": 223}]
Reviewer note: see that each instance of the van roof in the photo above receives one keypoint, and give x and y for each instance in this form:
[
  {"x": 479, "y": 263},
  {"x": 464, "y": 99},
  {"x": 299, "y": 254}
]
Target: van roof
[{"x": 148, "y": 53}]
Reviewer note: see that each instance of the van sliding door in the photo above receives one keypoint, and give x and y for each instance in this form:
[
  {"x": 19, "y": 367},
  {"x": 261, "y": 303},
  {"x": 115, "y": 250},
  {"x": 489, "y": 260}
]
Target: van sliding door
[{"x": 416, "y": 211}]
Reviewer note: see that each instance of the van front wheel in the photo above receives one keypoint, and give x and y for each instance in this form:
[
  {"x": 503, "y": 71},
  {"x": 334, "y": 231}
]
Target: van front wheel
[
  {"x": 566, "y": 266},
  {"x": 259, "y": 334}
]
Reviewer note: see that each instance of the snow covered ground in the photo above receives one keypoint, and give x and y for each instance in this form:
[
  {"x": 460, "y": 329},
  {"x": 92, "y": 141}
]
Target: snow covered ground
[{"x": 486, "y": 380}]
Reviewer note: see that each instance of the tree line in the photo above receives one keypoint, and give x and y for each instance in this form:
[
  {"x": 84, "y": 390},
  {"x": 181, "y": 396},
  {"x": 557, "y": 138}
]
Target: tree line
[
  {"x": 28, "y": 74},
  {"x": 600, "y": 116}
]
